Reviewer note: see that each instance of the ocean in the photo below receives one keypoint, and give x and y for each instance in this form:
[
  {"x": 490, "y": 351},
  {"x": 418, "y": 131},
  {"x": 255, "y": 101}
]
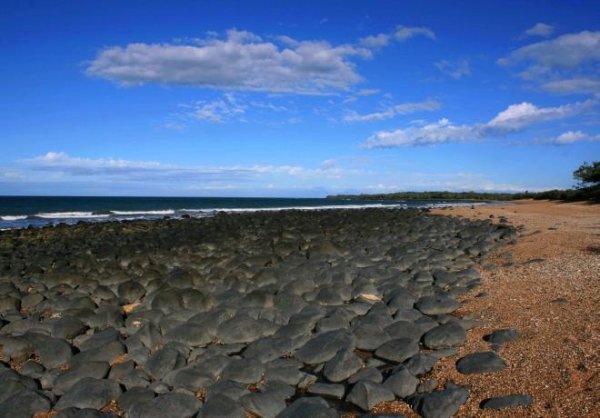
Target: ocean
[{"x": 35, "y": 211}]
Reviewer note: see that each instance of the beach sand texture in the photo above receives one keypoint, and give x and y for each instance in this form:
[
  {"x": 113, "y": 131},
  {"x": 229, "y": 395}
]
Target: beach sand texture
[{"x": 547, "y": 286}]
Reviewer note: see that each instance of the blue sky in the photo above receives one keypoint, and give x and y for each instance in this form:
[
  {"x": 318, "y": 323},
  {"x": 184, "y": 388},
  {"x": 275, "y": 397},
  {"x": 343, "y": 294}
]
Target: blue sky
[{"x": 296, "y": 98}]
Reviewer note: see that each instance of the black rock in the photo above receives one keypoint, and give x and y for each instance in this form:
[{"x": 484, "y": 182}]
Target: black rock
[
  {"x": 398, "y": 350},
  {"x": 366, "y": 395},
  {"x": 24, "y": 404},
  {"x": 326, "y": 390},
  {"x": 435, "y": 305},
  {"x": 504, "y": 402},
  {"x": 221, "y": 406},
  {"x": 485, "y": 362},
  {"x": 314, "y": 407},
  {"x": 172, "y": 405},
  {"x": 449, "y": 334},
  {"x": 324, "y": 346},
  {"x": 502, "y": 336},
  {"x": 90, "y": 393},
  {"x": 65, "y": 381},
  {"x": 266, "y": 405},
  {"x": 164, "y": 361},
  {"x": 402, "y": 383},
  {"x": 440, "y": 404},
  {"x": 343, "y": 365},
  {"x": 245, "y": 371}
]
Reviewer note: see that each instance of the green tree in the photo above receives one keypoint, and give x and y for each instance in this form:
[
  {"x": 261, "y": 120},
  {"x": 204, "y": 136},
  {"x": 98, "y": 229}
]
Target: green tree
[{"x": 588, "y": 174}]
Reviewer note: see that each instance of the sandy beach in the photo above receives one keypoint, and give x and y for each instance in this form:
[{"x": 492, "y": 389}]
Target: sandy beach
[{"x": 547, "y": 286}]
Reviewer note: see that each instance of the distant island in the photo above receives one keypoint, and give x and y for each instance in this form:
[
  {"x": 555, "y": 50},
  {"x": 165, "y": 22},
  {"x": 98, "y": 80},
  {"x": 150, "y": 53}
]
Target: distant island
[
  {"x": 437, "y": 195},
  {"x": 558, "y": 194}
]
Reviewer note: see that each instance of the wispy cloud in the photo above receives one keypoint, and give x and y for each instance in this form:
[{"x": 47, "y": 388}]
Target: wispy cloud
[
  {"x": 571, "y": 137},
  {"x": 392, "y": 111},
  {"x": 454, "y": 69},
  {"x": 404, "y": 33},
  {"x": 239, "y": 61},
  {"x": 539, "y": 29},
  {"x": 514, "y": 118},
  {"x": 566, "y": 64},
  {"x": 60, "y": 162}
]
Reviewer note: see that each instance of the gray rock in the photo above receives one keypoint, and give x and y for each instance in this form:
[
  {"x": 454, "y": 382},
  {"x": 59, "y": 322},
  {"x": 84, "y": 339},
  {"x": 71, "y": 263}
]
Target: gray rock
[
  {"x": 314, "y": 407},
  {"x": 449, "y": 334},
  {"x": 440, "y": 404},
  {"x": 326, "y": 390},
  {"x": 172, "y": 405},
  {"x": 485, "y": 362},
  {"x": 264, "y": 405},
  {"x": 398, "y": 350},
  {"x": 502, "y": 336},
  {"x": 134, "y": 396},
  {"x": 402, "y": 383},
  {"x": 24, "y": 404},
  {"x": 366, "y": 395},
  {"x": 163, "y": 362},
  {"x": 343, "y": 365},
  {"x": 245, "y": 371},
  {"x": 324, "y": 346},
  {"x": 435, "y": 305},
  {"x": 420, "y": 364},
  {"x": 244, "y": 329},
  {"x": 90, "y": 393},
  {"x": 504, "y": 402},
  {"x": 221, "y": 406},
  {"x": 368, "y": 373},
  {"x": 65, "y": 381}
]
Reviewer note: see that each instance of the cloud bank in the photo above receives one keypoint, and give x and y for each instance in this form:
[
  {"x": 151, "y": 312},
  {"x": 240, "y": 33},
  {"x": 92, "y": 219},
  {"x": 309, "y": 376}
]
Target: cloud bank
[
  {"x": 239, "y": 61},
  {"x": 514, "y": 118}
]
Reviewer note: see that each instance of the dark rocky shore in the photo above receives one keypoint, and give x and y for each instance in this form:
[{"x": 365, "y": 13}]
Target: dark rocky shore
[{"x": 290, "y": 314}]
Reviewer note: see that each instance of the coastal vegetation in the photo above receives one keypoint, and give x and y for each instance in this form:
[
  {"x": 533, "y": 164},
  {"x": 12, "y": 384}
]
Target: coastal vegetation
[{"x": 587, "y": 189}]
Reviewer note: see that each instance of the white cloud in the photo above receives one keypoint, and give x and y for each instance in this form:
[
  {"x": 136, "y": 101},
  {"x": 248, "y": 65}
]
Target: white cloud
[
  {"x": 62, "y": 163},
  {"x": 375, "y": 41},
  {"x": 390, "y": 112},
  {"x": 566, "y": 51},
  {"x": 518, "y": 116},
  {"x": 539, "y": 29},
  {"x": 433, "y": 133},
  {"x": 404, "y": 33},
  {"x": 573, "y": 85},
  {"x": 513, "y": 118},
  {"x": 566, "y": 64},
  {"x": 217, "y": 110},
  {"x": 458, "y": 182},
  {"x": 574, "y": 136},
  {"x": 368, "y": 92},
  {"x": 240, "y": 61},
  {"x": 456, "y": 69}
]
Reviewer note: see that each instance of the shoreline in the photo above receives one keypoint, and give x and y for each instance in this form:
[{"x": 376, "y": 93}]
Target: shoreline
[
  {"x": 547, "y": 286},
  {"x": 544, "y": 289}
]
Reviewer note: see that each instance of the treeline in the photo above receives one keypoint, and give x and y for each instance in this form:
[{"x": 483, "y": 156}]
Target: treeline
[{"x": 587, "y": 193}]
